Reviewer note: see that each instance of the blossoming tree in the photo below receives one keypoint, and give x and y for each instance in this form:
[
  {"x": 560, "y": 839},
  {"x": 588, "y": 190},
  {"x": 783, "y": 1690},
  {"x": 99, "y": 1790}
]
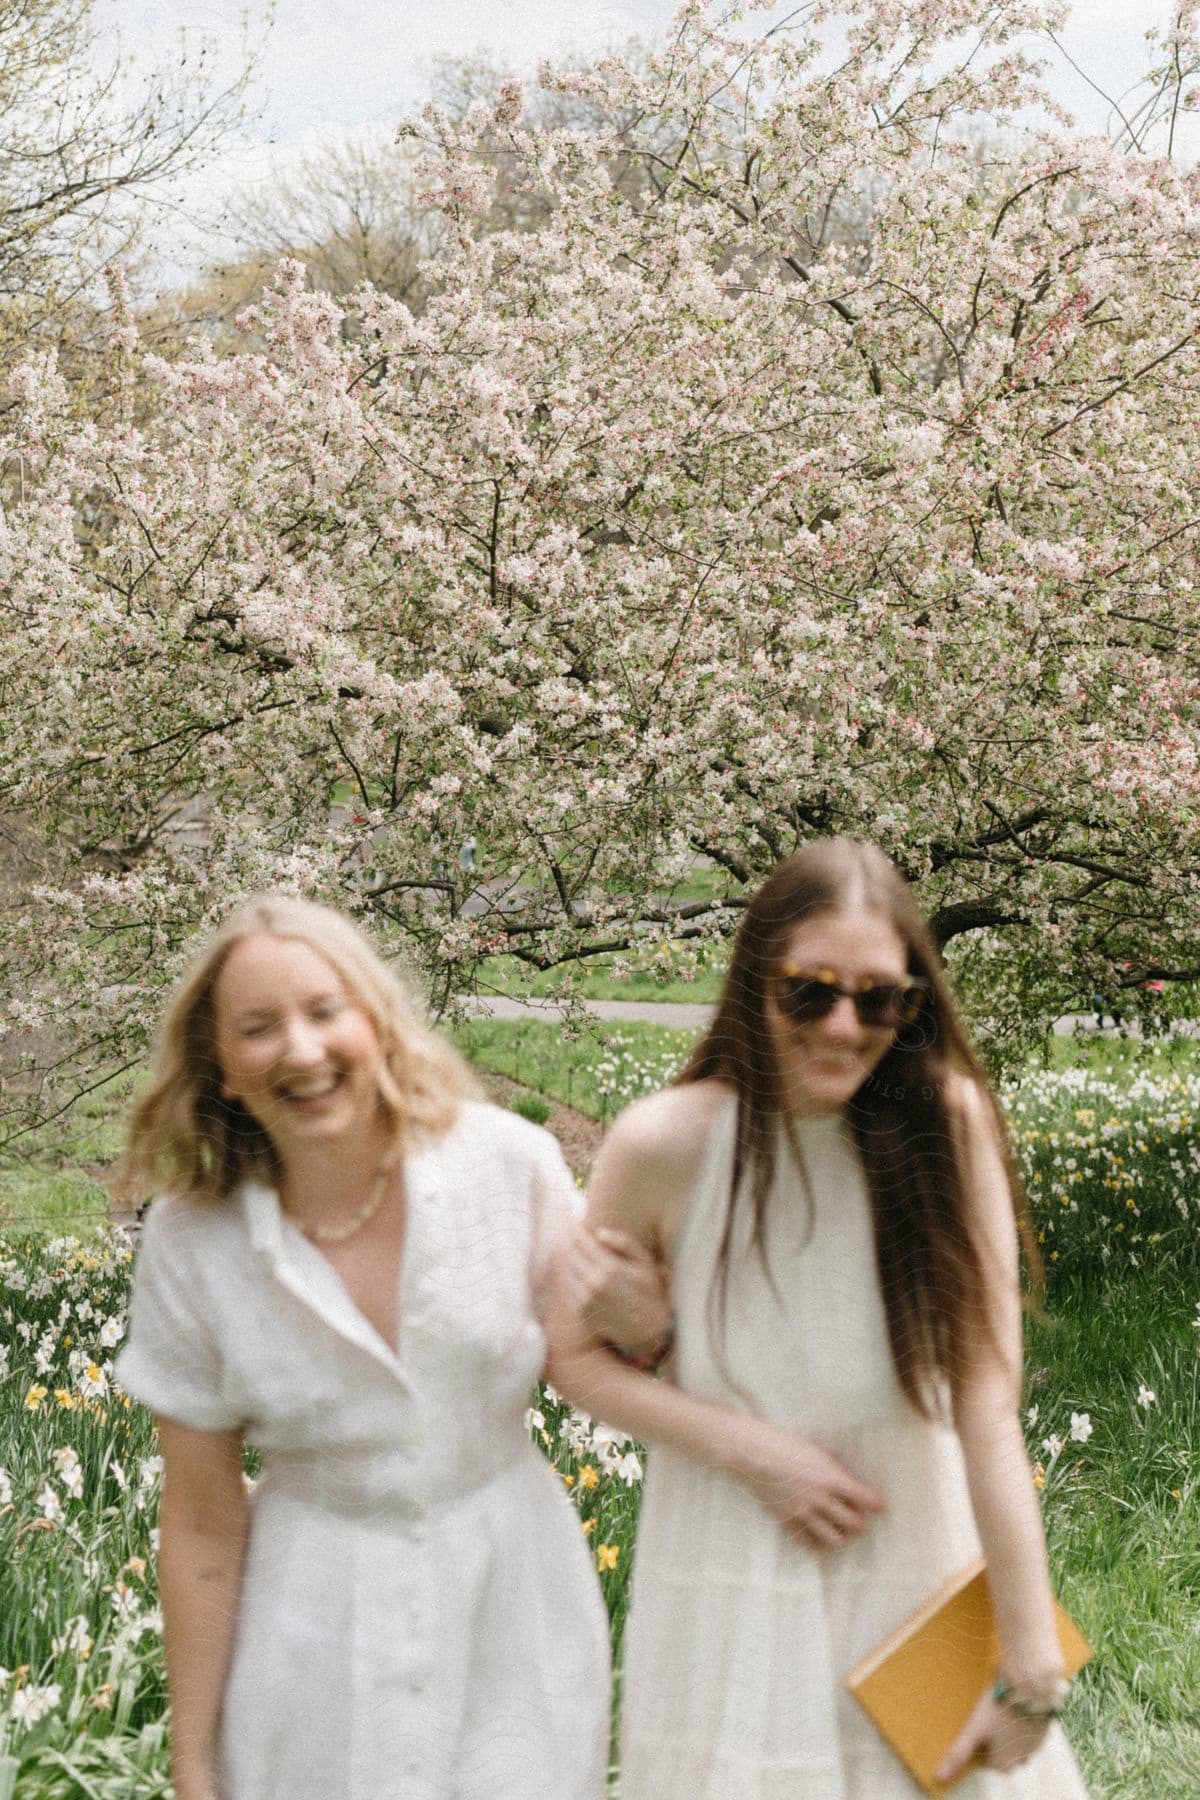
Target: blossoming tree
[{"x": 836, "y": 474}]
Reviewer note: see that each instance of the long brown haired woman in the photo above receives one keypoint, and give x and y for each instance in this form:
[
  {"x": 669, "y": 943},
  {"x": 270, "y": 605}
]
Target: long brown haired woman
[
  {"x": 346, "y": 1271},
  {"x": 829, "y": 1185}
]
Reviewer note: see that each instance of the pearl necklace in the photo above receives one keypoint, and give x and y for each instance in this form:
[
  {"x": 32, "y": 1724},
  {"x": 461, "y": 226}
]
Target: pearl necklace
[{"x": 337, "y": 1234}]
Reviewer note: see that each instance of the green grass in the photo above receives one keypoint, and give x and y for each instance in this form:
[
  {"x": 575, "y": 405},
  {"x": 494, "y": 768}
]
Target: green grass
[
  {"x": 598, "y": 1072},
  {"x": 1121, "y": 1523},
  {"x": 54, "y": 1176},
  {"x": 686, "y": 970},
  {"x": 534, "y": 1107},
  {"x": 92, "y": 1132},
  {"x": 1121, "y": 1058},
  {"x": 652, "y": 977},
  {"x": 66, "y": 1200}
]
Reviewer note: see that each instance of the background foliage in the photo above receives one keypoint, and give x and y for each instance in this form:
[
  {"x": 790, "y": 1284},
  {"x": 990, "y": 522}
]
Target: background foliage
[{"x": 768, "y": 454}]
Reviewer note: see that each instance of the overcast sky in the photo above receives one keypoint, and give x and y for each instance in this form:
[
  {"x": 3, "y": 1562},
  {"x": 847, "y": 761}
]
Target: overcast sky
[{"x": 345, "y": 65}]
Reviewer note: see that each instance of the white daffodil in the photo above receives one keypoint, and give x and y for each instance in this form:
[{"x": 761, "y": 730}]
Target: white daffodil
[
  {"x": 49, "y": 1504},
  {"x": 70, "y": 1472},
  {"x": 29, "y": 1704},
  {"x": 628, "y": 1468}
]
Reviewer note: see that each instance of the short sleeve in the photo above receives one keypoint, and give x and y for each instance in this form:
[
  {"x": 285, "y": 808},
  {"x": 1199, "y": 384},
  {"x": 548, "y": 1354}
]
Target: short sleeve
[
  {"x": 171, "y": 1359},
  {"x": 559, "y": 1206}
]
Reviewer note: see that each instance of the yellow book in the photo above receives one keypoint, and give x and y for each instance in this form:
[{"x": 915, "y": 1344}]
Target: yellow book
[{"x": 920, "y": 1685}]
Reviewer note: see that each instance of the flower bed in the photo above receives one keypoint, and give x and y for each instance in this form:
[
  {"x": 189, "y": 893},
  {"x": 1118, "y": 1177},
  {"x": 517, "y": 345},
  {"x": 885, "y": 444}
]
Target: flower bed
[
  {"x": 81, "y": 1684},
  {"x": 1112, "y": 1169}
]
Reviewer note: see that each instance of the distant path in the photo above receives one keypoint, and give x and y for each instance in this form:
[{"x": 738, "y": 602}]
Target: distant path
[{"x": 688, "y": 1016}]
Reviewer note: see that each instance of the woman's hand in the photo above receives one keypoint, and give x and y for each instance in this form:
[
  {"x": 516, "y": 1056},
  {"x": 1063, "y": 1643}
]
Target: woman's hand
[
  {"x": 815, "y": 1498},
  {"x": 995, "y": 1737},
  {"x": 618, "y": 1288}
]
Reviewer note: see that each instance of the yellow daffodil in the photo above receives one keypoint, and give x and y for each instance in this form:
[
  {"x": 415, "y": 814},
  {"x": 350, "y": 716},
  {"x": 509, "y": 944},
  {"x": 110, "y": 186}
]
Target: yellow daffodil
[
  {"x": 34, "y": 1396},
  {"x": 606, "y": 1556},
  {"x": 588, "y": 1477}
]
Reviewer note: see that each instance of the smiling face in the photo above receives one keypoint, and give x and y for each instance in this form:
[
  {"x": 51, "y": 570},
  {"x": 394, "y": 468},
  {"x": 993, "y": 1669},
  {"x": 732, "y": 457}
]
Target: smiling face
[
  {"x": 823, "y": 1062},
  {"x": 295, "y": 1046}
]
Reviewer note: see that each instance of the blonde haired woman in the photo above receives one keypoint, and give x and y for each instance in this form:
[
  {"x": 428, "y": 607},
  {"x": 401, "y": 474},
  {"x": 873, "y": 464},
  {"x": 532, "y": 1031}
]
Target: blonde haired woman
[{"x": 346, "y": 1271}]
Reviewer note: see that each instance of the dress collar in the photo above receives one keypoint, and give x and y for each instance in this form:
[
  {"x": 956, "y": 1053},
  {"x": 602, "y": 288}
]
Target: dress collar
[{"x": 300, "y": 1267}]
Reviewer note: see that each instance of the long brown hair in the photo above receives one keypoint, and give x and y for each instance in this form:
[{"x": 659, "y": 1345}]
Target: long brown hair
[
  {"x": 931, "y": 1269},
  {"x": 186, "y": 1135}
]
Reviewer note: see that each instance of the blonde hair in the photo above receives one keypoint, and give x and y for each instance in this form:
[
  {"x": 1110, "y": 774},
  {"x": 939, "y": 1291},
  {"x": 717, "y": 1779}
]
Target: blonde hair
[{"x": 185, "y": 1134}]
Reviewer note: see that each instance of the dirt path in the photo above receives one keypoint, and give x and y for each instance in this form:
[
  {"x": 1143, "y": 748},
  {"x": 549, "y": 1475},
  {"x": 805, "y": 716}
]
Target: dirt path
[{"x": 578, "y": 1136}]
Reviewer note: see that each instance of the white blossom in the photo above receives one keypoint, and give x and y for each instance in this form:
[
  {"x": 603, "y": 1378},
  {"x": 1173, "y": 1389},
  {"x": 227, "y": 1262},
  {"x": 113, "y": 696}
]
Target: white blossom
[
  {"x": 49, "y": 1504},
  {"x": 29, "y": 1704},
  {"x": 74, "y": 1637},
  {"x": 628, "y": 1468},
  {"x": 70, "y": 1472}
]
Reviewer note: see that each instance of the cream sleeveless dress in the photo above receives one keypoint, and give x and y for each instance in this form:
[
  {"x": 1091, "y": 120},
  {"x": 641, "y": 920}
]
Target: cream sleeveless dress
[{"x": 738, "y": 1637}]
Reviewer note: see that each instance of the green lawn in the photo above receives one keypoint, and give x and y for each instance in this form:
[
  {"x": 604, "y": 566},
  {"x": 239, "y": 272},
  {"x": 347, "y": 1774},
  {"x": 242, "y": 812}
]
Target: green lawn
[
  {"x": 54, "y": 1177},
  {"x": 1121, "y": 1513},
  {"x": 672, "y": 974},
  {"x": 598, "y": 1072},
  {"x": 1121, "y": 1058}
]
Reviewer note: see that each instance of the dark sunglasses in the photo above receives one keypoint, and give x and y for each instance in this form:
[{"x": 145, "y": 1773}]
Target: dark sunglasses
[{"x": 806, "y": 994}]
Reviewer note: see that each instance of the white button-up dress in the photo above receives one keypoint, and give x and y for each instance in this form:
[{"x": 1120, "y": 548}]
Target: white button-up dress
[{"x": 419, "y": 1618}]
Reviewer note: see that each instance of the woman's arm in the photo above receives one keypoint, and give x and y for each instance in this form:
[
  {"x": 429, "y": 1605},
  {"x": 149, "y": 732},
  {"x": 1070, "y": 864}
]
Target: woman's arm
[
  {"x": 643, "y": 1173},
  {"x": 203, "y": 1521},
  {"x": 817, "y": 1501},
  {"x": 1003, "y": 1497},
  {"x": 622, "y": 1290}
]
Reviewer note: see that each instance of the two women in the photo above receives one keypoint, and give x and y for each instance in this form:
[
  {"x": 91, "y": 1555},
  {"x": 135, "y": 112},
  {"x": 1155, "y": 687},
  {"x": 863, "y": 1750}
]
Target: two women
[{"x": 350, "y": 1271}]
